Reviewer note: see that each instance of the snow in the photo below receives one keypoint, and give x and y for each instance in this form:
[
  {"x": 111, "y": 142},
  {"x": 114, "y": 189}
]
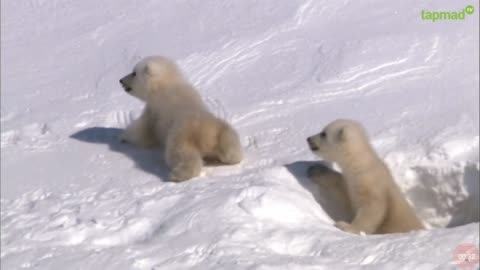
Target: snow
[{"x": 73, "y": 197}]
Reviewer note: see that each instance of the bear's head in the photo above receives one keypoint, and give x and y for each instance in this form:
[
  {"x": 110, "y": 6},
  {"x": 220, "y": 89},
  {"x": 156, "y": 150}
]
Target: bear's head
[
  {"x": 154, "y": 73},
  {"x": 339, "y": 141}
]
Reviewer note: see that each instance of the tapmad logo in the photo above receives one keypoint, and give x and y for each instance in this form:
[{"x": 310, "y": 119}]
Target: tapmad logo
[{"x": 446, "y": 15}]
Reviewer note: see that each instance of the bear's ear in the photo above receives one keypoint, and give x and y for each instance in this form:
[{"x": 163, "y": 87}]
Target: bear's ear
[
  {"x": 341, "y": 135},
  {"x": 149, "y": 68}
]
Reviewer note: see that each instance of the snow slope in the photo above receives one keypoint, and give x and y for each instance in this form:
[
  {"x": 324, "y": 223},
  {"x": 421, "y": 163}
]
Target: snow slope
[{"x": 75, "y": 198}]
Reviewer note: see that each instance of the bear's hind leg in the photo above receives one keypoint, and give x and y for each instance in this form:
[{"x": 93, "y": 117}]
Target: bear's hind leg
[
  {"x": 184, "y": 161},
  {"x": 229, "y": 149}
]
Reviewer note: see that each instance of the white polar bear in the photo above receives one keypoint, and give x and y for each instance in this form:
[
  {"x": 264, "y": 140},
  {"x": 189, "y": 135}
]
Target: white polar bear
[
  {"x": 176, "y": 118},
  {"x": 365, "y": 183}
]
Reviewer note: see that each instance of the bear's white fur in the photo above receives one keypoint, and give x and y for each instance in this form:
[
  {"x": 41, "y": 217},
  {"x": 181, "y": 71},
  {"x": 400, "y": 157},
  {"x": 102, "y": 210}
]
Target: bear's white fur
[
  {"x": 176, "y": 118},
  {"x": 377, "y": 203}
]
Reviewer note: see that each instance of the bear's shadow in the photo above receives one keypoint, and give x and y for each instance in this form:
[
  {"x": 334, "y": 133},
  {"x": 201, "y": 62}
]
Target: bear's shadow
[
  {"x": 148, "y": 160},
  {"x": 329, "y": 203}
]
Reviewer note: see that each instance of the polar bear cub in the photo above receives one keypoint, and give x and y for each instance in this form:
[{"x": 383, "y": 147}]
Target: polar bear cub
[
  {"x": 377, "y": 203},
  {"x": 176, "y": 118}
]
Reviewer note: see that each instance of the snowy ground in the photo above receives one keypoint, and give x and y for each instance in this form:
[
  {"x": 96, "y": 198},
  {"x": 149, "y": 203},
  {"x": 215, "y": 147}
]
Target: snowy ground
[{"x": 74, "y": 198}]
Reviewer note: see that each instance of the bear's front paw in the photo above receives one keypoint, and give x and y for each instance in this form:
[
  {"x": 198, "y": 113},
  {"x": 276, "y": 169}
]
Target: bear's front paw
[
  {"x": 346, "y": 227},
  {"x": 123, "y": 138},
  {"x": 317, "y": 170}
]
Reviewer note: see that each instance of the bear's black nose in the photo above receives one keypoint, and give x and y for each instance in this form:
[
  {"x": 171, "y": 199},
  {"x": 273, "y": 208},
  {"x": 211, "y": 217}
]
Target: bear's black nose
[
  {"x": 121, "y": 81},
  {"x": 311, "y": 144}
]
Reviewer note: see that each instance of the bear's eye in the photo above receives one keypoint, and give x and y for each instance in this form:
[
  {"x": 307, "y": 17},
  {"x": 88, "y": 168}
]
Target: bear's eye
[
  {"x": 134, "y": 74},
  {"x": 323, "y": 135}
]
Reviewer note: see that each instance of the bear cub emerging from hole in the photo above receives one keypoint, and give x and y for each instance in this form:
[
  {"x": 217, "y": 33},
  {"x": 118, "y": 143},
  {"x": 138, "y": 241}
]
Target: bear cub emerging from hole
[
  {"x": 176, "y": 118},
  {"x": 365, "y": 181}
]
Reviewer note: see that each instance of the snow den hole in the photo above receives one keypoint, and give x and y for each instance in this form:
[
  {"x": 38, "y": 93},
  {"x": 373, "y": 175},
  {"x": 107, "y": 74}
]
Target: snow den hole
[{"x": 444, "y": 196}]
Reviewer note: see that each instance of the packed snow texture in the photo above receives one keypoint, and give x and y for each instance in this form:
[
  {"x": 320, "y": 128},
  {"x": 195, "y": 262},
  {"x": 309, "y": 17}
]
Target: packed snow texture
[{"x": 73, "y": 197}]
